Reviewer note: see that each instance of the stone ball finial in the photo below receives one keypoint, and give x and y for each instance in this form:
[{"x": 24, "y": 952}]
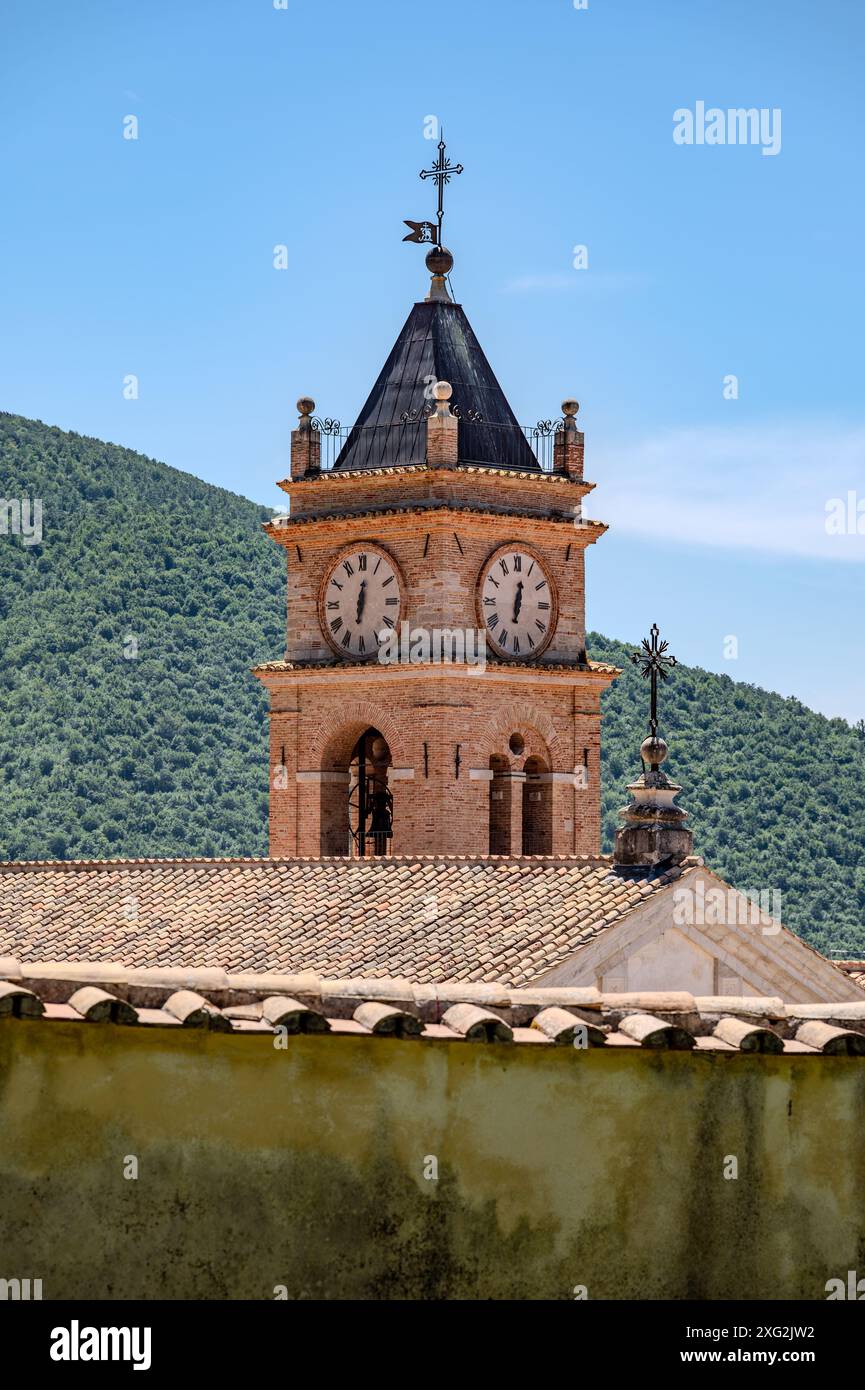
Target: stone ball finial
[
  {"x": 439, "y": 261},
  {"x": 570, "y": 408},
  {"x": 305, "y": 406},
  {"x": 442, "y": 391},
  {"x": 653, "y": 751}
]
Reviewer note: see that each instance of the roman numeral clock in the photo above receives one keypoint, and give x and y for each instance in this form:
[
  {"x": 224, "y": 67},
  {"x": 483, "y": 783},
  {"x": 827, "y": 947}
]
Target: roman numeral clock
[
  {"x": 361, "y": 597},
  {"x": 516, "y": 601}
]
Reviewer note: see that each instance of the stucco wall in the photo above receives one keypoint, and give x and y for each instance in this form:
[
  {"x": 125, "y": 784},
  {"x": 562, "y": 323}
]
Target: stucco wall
[
  {"x": 304, "y": 1167},
  {"x": 698, "y": 934}
]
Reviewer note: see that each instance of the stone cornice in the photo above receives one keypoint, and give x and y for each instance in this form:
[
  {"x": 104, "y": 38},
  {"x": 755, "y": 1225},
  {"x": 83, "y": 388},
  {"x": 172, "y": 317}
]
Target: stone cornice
[
  {"x": 331, "y": 476},
  {"x": 278, "y": 673},
  {"x": 285, "y": 529}
]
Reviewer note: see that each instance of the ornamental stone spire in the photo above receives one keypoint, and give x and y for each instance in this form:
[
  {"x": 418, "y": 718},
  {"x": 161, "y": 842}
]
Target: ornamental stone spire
[{"x": 654, "y": 832}]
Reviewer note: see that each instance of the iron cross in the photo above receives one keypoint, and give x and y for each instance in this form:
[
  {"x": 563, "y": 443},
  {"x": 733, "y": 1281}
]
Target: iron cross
[
  {"x": 652, "y": 659},
  {"x": 441, "y": 171}
]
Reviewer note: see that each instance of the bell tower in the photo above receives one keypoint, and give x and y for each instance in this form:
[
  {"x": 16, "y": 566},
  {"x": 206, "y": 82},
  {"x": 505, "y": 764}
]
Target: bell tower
[{"x": 435, "y": 696}]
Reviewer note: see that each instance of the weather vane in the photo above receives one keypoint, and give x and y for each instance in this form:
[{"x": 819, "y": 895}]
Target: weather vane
[
  {"x": 441, "y": 171},
  {"x": 652, "y": 659}
]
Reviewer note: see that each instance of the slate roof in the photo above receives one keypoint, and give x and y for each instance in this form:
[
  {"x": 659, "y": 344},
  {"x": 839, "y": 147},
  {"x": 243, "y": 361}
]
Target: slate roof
[
  {"x": 436, "y": 343},
  {"x": 573, "y": 1018},
  {"x": 508, "y": 919}
]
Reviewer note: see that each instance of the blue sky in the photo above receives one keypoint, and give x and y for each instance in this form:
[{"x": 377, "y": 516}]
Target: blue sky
[{"x": 304, "y": 126}]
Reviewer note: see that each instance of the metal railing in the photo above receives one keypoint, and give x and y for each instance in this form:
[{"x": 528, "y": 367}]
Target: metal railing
[
  {"x": 384, "y": 446},
  {"x": 508, "y": 446},
  {"x": 374, "y": 446}
]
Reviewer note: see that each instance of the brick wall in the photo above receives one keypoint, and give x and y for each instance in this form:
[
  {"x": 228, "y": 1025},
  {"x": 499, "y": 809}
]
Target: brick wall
[
  {"x": 334, "y": 493},
  {"x": 439, "y": 807},
  {"x": 439, "y": 556},
  {"x": 443, "y": 723}
]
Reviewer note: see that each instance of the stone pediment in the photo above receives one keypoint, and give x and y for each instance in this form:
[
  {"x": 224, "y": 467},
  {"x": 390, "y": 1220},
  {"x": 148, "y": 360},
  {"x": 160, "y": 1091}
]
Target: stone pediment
[{"x": 699, "y": 933}]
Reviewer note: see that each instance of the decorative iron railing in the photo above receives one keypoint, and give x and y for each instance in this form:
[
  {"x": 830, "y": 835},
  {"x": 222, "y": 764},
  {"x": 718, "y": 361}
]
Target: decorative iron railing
[{"x": 404, "y": 442}]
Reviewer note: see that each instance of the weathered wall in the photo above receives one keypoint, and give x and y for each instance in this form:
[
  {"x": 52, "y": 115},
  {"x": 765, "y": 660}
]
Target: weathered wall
[
  {"x": 304, "y": 1167},
  {"x": 705, "y": 937}
]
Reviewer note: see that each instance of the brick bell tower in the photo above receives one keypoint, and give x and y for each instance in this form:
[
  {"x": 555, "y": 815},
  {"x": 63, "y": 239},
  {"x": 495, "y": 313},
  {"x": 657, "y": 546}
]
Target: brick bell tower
[{"x": 435, "y": 696}]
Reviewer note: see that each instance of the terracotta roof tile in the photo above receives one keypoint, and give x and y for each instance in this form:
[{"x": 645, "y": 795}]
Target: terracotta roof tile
[
  {"x": 407, "y": 1011},
  {"x": 337, "y": 916}
]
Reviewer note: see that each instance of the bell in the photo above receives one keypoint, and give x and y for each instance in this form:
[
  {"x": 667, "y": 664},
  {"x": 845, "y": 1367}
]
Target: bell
[{"x": 381, "y": 823}]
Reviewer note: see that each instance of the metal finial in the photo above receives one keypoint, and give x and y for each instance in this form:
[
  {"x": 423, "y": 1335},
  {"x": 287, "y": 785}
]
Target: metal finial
[
  {"x": 441, "y": 171},
  {"x": 652, "y": 659}
]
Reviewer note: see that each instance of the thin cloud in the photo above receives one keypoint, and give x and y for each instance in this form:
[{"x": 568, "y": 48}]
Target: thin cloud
[{"x": 763, "y": 488}]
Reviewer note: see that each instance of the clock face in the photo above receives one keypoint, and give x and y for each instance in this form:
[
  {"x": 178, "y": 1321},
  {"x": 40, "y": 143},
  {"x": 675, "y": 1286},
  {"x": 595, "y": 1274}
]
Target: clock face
[
  {"x": 517, "y": 603},
  {"x": 360, "y": 598}
]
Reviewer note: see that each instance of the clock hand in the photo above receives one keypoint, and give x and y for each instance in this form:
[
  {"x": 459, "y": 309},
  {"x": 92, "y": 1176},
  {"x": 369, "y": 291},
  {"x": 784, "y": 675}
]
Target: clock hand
[
  {"x": 518, "y": 601},
  {"x": 361, "y": 600}
]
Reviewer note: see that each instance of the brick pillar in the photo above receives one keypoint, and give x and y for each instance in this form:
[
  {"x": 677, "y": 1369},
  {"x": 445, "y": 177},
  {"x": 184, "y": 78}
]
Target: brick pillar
[
  {"x": 568, "y": 446},
  {"x": 283, "y": 784},
  {"x": 442, "y": 430},
  {"x": 517, "y": 782},
  {"x": 561, "y": 790},
  {"x": 401, "y": 783},
  {"x": 305, "y": 442},
  {"x": 587, "y": 799},
  {"x": 500, "y": 813},
  {"x": 323, "y": 821},
  {"x": 538, "y": 810},
  {"x": 506, "y": 812}
]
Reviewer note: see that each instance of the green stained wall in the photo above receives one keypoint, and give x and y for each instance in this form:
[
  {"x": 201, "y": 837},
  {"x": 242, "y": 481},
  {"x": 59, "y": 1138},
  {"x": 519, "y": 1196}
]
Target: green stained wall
[{"x": 304, "y": 1167}]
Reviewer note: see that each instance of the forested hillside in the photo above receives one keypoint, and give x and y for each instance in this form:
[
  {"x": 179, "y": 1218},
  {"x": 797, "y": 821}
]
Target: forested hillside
[
  {"x": 774, "y": 791},
  {"x": 129, "y": 722},
  {"x": 105, "y": 751}
]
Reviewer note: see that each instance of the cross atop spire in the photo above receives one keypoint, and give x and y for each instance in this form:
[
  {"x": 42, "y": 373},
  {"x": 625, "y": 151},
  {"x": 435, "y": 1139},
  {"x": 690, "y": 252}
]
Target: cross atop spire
[
  {"x": 652, "y": 659},
  {"x": 441, "y": 171},
  {"x": 654, "y": 833}
]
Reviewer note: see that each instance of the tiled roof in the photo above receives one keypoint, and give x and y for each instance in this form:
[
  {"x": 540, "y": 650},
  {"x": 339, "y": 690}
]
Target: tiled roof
[
  {"x": 854, "y": 968},
  {"x": 428, "y": 918},
  {"x": 446, "y": 1013}
]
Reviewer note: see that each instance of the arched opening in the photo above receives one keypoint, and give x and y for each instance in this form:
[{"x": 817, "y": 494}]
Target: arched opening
[
  {"x": 537, "y": 808},
  {"x": 500, "y": 806},
  {"x": 356, "y": 802},
  {"x": 370, "y": 803},
  {"x": 354, "y": 760}
]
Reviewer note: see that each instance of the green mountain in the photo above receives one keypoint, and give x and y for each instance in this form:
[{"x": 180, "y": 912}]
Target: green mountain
[
  {"x": 129, "y": 722},
  {"x": 773, "y": 790}
]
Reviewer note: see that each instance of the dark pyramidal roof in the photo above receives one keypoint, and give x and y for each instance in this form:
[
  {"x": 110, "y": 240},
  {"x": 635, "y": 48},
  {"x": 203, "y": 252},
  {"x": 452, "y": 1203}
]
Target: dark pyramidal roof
[{"x": 437, "y": 343}]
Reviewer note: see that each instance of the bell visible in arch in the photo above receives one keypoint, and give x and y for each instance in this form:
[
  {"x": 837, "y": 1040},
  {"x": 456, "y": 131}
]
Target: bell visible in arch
[{"x": 381, "y": 820}]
